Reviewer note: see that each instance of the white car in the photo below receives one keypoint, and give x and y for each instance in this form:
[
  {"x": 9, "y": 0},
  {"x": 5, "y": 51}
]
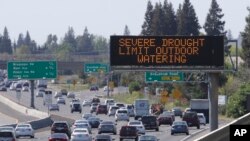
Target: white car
[
  {"x": 112, "y": 110},
  {"x": 25, "y": 88},
  {"x": 138, "y": 124},
  {"x": 121, "y": 115},
  {"x": 24, "y": 129},
  {"x": 82, "y": 125},
  {"x": 202, "y": 118},
  {"x": 61, "y": 100},
  {"x": 130, "y": 108},
  {"x": 86, "y": 102},
  {"x": 80, "y": 134}
]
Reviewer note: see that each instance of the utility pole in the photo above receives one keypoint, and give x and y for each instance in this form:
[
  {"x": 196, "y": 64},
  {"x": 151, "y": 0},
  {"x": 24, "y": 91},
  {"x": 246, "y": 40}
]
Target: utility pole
[
  {"x": 213, "y": 100},
  {"x": 32, "y": 87}
]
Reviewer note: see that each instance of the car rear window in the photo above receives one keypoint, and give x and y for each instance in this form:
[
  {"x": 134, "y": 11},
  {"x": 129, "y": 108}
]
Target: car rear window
[
  {"x": 6, "y": 134},
  {"x": 149, "y": 118}
]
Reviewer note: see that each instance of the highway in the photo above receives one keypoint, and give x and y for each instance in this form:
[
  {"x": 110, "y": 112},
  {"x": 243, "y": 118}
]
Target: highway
[{"x": 65, "y": 114}]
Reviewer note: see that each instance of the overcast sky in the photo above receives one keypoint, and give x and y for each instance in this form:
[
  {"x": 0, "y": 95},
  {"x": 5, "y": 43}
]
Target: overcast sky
[{"x": 101, "y": 17}]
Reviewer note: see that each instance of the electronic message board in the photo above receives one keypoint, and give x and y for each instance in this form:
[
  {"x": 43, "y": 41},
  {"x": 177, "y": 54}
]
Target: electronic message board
[{"x": 204, "y": 51}]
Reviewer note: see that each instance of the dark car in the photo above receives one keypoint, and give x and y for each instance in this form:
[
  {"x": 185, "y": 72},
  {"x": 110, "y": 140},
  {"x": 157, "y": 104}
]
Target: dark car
[
  {"x": 76, "y": 107},
  {"x": 3, "y": 88},
  {"x": 58, "y": 137},
  {"x": 177, "y": 111},
  {"x": 95, "y": 100},
  {"x": 150, "y": 122},
  {"x": 103, "y": 138},
  {"x": 94, "y": 88},
  {"x": 64, "y": 92},
  {"x": 128, "y": 132},
  {"x": 179, "y": 127},
  {"x": 93, "y": 107},
  {"x": 192, "y": 119},
  {"x": 61, "y": 127},
  {"x": 94, "y": 122},
  {"x": 165, "y": 119},
  {"x": 107, "y": 128},
  {"x": 102, "y": 109}
]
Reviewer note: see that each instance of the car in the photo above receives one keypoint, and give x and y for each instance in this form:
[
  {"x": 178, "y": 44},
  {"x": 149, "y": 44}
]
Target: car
[
  {"x": 82, "y": 125},
  {"x": 94, "y": 88},
  {"x": 40, "y": 93},
  {"x": 128, "y": 132},
  {"x": 86, "y": 102},
  {"x": 179, "y": 127},
  {"x": 187, "y": 109},
  {"x": 177, "y": 111},
  {"x": 58, "y": 137},
  {"x": 3, "y": 88},
  {"x": 61, "y": 127},
  {"x": 101, "y": 137},
  {"x": 24, "y": 129},
  {"x": 87, "y": 115},
  {"x": 202, "y": 118},
  {"x": 147, "y": 138},
  {"x": 106, "y": 88},
  {"x": 74, "y": 100},
  {"x": 7, "y": 135},
  {"x": 80, "y": 134},
  {"x": 57, "y": 94},
  {"x": 95, "y": 100},
  {"x": 94, "y": 122},
  {"x": 120, "y": 105},
  {"x": 107, "y": 128},
  {"x": 192, "y": 119},
  {"x": 138, "y": 124},
  {"x": 25, "y": 88},
  {"x": 61, "y": 100},
  {"x": 93, "y": 107},
  {"x": 9, "y": 128},
  {"x": 108, "y": 101},
  {"x": 64, "y": 91},
  {"x": 121, "y": 115},
  {"x": 165, "y": 119},
  {"x": 169, "y": 113},
  {"x": 76, "y": 107},
  {"x": 101, "y": 109},
  {"x": 130, "y": 108},
  {"x": 70, "y": 95},
  {"x": 54, "y": 107},
  {"x": 112, "y": 110},
  {"x": 150, "y": 122}
]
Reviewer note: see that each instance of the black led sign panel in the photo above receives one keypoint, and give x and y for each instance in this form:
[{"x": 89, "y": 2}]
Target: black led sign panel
[{"x": 167, "y": 51}]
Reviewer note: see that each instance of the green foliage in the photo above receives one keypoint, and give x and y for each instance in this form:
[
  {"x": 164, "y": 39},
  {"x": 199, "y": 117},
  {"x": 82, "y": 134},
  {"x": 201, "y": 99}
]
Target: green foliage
[
  {"x": 236, "y": 105},
  {"x": 246, "y": 41},
  {"x": 128, "y": 98},
  {"x": 134, "y": 86},
  {"x": 213, "y": 24},
  {"x": 5, "y": 43}
]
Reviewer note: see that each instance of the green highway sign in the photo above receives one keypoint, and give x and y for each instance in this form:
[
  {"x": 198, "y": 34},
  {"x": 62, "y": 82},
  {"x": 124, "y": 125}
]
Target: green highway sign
[
  {"x": 95, "y": 67},
  {"x": 163, "y": 76},
  {"x": 32, "y": 70}
]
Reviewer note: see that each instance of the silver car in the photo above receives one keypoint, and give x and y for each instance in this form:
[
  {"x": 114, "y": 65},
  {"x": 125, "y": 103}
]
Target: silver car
[{"x": 121, "y": 115}]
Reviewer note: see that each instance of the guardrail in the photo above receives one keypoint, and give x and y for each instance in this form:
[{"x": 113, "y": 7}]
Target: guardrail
[{"x": 223, "y": 133}]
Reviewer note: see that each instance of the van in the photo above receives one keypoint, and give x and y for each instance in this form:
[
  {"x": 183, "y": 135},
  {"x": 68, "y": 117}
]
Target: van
[{"x": 192, "y": 119}]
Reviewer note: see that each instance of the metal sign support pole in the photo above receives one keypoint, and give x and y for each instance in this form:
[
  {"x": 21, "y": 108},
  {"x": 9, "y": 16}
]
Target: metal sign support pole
[
  {"x": 32, "y": 100},
  {"x": 213, "y": 100}
]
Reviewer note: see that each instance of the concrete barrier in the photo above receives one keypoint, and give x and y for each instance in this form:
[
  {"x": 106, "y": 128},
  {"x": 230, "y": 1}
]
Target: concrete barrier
[
  {"x": 223, "y": 133},
  {"x": 23, "y": 109},
  {"x": 44, "y": 120}
]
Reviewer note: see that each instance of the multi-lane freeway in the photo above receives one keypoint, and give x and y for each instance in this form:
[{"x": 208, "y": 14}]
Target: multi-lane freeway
[{"x": 65, "y": 114}]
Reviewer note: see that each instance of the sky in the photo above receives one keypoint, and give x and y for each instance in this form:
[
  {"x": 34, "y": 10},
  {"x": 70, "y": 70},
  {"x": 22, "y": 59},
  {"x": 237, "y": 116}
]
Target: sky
[{"x": 101, "y": 17}]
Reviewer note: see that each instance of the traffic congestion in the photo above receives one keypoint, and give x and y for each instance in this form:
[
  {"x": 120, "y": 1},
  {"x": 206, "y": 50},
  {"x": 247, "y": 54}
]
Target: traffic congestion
[{"x": 90, "y": 115}]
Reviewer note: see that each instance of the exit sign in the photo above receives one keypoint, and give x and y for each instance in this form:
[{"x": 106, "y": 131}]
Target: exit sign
[
  {"x": 32, "y": 70},
  {"x": 164, "y": 76},
  {"x": 95, "y": 68}
]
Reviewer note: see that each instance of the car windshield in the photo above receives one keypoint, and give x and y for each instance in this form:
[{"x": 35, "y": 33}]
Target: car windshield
[
  {"x": 134, "y": 123},
  {"x": 23, "y": 126},
  {"x": 6, "y": 134}
]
